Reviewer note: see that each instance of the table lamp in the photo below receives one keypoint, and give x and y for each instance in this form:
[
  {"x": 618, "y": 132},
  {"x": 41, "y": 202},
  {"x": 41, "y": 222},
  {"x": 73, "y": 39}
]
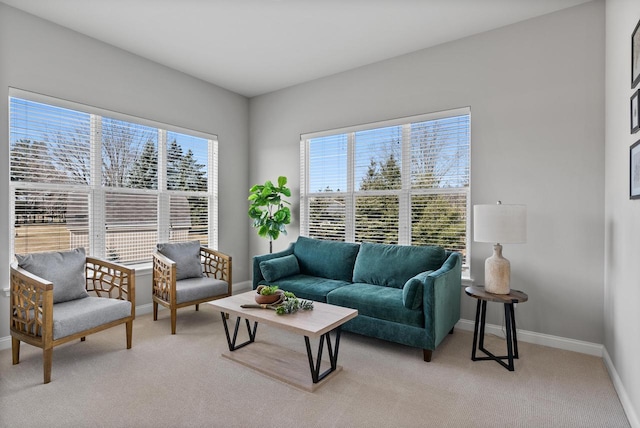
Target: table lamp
[{"x": 499, "y": 224}]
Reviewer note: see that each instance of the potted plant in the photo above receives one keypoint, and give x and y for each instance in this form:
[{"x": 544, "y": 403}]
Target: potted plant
[{"x": 268, "y": 210}]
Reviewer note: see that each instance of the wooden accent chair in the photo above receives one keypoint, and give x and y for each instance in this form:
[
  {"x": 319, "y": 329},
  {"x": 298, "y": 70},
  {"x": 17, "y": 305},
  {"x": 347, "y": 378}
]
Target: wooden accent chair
[
  {"x": 57, "y": 297},
  {"x": 186, "y": 274}
]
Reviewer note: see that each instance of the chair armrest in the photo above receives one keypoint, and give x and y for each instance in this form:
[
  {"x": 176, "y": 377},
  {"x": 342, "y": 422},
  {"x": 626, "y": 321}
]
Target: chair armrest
[
  {"x": 31, "y": 299},
  {"x": 216, "y": 264},
  {"x": 257, "y": 273},
  {"x": 110, "y": 279},
  {"x": 163, "y": 281},
  {"x": 442, "y": 297}
]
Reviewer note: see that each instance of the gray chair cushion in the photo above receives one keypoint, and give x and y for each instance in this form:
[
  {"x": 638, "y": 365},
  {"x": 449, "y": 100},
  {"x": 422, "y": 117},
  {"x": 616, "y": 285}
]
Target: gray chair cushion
[
  {"x": 65, "y": 269},
  {"x": 75, "y": 316},
  {"x": 187, "y": 258},
  {"x": 188, "y": 290}
]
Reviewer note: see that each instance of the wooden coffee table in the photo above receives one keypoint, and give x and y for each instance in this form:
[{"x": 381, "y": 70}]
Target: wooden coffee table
[{"x": 280, "y": 363}]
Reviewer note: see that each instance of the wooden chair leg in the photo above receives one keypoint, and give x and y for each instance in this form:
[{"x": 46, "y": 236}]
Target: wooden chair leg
[
  {"x": 173, "y": 320},
  {"x": 197, "y": 307},
  {"x": 47, "y": 357},
  {"x": 129, "y": 327},
  {"x": 15, "y": 350},
  {"x": 426, "y": 353},
  {"x": 155, "y": 311}
]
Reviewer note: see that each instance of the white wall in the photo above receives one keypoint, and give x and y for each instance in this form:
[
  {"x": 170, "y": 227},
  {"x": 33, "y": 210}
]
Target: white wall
[
  {"x": 622, "y": 215},
  {"x": 39, "y": 56},
  {"x": 536, "y": 91}
]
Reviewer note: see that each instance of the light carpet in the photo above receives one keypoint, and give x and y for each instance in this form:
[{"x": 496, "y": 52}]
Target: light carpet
[{"x": 182, "y": 381}]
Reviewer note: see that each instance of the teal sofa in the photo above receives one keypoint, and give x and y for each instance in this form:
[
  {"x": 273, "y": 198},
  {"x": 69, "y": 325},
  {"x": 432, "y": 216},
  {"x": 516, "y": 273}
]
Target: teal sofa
[{"x": 403, "y": 294}]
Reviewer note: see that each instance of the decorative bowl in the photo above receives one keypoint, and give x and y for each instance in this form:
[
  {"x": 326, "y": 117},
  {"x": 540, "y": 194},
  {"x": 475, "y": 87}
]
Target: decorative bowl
[{"x": 269, "y": 298}]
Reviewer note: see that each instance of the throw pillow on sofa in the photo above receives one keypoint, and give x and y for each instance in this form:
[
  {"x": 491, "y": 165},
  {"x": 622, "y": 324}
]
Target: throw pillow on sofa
[
  {"x": 187, "y": 258},
  {"x": 281, "y": 267},
  {"x": 413, "y": 291},
  {"x": 64, "y": 269}
]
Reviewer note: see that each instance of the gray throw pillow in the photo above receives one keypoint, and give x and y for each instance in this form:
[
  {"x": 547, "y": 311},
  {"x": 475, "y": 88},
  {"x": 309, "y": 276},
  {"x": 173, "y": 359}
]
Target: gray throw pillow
[
  {"x": 187, "y": 258},
  {"x": 65, "y": 270}
]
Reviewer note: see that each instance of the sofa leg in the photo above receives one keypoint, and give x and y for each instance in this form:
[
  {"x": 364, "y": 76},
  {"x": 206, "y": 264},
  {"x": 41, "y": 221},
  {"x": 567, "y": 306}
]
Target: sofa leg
[
  {"x": 83, "y": 338},
  {"x": 15, "y": 350},
  {"x": 47, "y": 359},
  {"x": 155, "y": 311},
  {"x": 451, "y": 331},
  {"x": 174, "y": 315},
  {"x": 426, "y": 354},
  {"x": 197, "y": 307}
]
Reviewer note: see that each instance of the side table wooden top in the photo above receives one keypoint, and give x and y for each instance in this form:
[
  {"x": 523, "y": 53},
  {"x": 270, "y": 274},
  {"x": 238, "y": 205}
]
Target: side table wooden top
[{"x": 514, "y": 296}]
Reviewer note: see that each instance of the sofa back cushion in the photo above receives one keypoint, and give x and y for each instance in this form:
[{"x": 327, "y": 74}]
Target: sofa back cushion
[
  {"x": 187, "y": 258},
  {"x": 64, "y": 269},
  {"x": 281, "y": 267},
  {"x": 393, "y": 265},
  {"x": 326, "y": 259}
]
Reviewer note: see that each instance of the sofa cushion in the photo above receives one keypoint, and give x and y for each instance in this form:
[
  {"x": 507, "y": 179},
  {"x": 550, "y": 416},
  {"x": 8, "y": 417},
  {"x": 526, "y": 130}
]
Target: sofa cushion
[
  {"x": 326, "y": 259},
  {"x": 64, "y": 269},
  {"x": 413, "y": 290},
  {"x": 79, "y": 315},
  {"x": 376, "y": 301},
  {"x": 393, "y": 265},
  {"x": 274, "y": 269},
  {"x": 187, "y": 258},
  {"x": 203, "y": 287},
  {"x": 310, "y": 287}
]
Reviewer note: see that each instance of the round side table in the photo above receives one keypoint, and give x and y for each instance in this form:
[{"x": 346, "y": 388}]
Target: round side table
[{"x": 509, "y": 300}]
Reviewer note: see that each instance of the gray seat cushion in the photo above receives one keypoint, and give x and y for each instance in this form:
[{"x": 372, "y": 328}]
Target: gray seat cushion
[
  {"x": 64, "y": 269},
  {"x": 187, "y": 258},
  {"x": 190, "y": 289},
  {"x": 79, "y": 315}
]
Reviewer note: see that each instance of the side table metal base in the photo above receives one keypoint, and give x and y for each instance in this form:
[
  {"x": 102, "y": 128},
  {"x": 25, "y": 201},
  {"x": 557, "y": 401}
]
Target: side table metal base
[{"x": 512, "y": 339}]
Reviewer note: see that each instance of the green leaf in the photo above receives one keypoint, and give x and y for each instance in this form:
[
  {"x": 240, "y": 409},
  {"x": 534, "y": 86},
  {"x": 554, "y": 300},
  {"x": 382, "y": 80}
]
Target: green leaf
[{"x": 282, "y": 180}]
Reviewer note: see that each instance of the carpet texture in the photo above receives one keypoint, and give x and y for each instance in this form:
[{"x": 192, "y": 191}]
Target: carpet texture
[{"x": 182, "y": 381}]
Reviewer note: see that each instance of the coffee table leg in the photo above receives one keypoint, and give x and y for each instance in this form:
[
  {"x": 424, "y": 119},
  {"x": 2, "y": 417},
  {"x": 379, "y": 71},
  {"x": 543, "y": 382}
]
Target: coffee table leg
[
  {"x": 232, "y": 342},
  {"x": 316, "y": 376}
]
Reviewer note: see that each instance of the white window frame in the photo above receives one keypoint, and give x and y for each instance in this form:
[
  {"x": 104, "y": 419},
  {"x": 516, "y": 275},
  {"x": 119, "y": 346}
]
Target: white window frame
[
  {"x": 404, "y": 194},
  {"x": 97, "y": 231}
]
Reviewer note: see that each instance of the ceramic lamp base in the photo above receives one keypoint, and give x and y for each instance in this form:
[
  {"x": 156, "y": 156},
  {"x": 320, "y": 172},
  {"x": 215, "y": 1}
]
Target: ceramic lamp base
[{"x": 497, "y": 272}]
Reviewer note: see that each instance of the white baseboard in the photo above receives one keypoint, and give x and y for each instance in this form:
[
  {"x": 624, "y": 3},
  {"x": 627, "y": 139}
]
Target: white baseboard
[
  {"x": 627, "y": 404},
  {"x": 539, "y": 338}
]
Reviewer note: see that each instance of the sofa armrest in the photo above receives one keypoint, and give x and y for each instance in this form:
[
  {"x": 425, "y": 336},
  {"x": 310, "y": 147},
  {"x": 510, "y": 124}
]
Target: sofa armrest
[
  {"x": 110, "y": 279},
  {"x": 31, "y": 300},
  {"x": 257, "y": 273},
  {"x": 441, "y": 299}
]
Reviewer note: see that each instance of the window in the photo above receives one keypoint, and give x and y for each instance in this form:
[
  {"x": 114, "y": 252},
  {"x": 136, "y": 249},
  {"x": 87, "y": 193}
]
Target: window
[
  {"x": 113, "y": 184},
  {"x": 404, "y": 181}
]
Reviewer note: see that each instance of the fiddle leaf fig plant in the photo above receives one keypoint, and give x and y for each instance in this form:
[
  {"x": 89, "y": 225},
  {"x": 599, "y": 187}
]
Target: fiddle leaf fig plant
[{"x": 269, "y": 210}]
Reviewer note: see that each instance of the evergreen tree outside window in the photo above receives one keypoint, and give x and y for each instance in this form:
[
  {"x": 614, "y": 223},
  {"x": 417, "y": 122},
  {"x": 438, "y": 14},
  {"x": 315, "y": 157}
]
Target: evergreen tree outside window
[
  {"x": 114, "y": 184},
  {"x": 403, "y": 181}
]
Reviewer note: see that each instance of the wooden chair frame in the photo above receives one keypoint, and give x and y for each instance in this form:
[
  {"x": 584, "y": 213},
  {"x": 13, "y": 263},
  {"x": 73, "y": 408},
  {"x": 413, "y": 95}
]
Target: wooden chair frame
[
  {"x": 214, "y": 265},
  {"x": 32, "y": 306}
]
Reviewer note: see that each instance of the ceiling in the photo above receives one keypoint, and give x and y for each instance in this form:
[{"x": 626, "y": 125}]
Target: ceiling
[{"x": 252, "y": 47}]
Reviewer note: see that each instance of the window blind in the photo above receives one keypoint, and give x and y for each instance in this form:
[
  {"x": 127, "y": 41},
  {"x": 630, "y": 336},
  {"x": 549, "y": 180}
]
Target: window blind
[
  {"x": 404, "y": 181},
  {"x": 115, "y": 185}
]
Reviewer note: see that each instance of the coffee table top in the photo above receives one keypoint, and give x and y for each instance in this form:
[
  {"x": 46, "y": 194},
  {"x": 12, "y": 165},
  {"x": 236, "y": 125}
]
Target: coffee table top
[{"x": 314, "y": 323}]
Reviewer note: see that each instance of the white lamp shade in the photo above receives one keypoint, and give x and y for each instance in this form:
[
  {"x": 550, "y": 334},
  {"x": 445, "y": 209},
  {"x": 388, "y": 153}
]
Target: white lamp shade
[{"x": 498, "y": 223}]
